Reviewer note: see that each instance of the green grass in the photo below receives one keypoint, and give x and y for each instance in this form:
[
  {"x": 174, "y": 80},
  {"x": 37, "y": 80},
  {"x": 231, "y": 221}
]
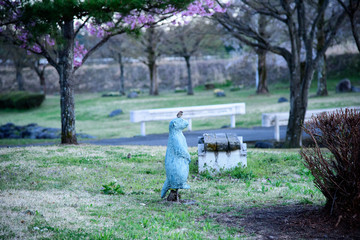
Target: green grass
[
  {"x": 92, "y": 110},
  {"x": 62, "y": 187}
]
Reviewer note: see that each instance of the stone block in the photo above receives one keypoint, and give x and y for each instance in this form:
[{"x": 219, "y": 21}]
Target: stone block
[
  {"x": 222, "y": 151},
  {"x": 233, "y": 142},
  {"x": 221, "y": 142}
]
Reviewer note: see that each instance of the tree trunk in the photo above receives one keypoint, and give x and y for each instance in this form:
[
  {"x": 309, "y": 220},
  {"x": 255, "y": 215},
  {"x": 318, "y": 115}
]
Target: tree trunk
[
  {"x": 190, "y": 90},
  {"x": 19, "y": 77},
  {"x": 40, "y": 71},
  {"x": 300, "y": 80},
  {"x": 321, "y": 77},
  {"x": 65, "y": 69},
  {"x": 153, "y": 79},
  {"x": 321, "y": 70},
  {"x": 42, "y": 83},
  {"x": 355, "y": 31},
  {"x": 156, "y": 85},
  {"x": 262, "y": 87},
  {"x": 121, "y": 64}
]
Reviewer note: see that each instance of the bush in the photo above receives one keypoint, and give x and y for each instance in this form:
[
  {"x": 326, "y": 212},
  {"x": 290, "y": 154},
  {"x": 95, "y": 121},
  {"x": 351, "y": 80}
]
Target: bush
[
  {"x": 336, "y": 174},
  {"x": 21, "y": 100}
]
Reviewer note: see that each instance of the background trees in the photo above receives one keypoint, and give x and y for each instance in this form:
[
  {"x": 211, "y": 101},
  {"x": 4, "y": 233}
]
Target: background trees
[
  {"x": 246, "y": 17},
  {"x": 121, "y": 49},
  {"x": 352, "y": 9},
  {"x": 149, "y": 44},
  {"x": 300, "y": 20},
  {"x": 188, "y": 40}
]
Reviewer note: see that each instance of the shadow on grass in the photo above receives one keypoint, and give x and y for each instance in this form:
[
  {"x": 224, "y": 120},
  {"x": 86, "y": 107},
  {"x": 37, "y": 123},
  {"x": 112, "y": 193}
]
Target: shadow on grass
[{"x": 295, "y": 221}]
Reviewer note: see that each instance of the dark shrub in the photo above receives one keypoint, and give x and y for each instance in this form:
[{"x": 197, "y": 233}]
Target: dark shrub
[
  {"x": 21, "y": 100},
  {"x": 336, "y": 173}
]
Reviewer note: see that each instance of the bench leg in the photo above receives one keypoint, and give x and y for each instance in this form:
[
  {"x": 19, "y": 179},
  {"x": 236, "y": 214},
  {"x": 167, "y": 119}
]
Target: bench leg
[
  {"x": 277, "y": 130},
  {"x": 142, "y": 129},
  {"x": 232, "y": 121},
  {"x": 190, "y": 124}
]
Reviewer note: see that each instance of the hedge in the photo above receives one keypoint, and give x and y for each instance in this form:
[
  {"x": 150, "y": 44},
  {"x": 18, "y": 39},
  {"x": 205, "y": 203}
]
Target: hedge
[{"x": 21, "y": 100}]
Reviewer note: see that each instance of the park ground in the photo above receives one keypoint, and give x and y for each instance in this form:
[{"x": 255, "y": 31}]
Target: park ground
[
  {"x": 57, "y": 192},
  {"x": 64, "y": 192}
]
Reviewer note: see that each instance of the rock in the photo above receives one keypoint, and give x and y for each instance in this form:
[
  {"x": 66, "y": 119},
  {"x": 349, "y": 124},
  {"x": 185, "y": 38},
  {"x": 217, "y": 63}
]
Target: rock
[
  {"x": 116, "y": 112},
  {"x": 220, "y": 94},
  {"x": 31, "y": 131},
  {"x": 264, "y": 145},
  {"x": 132, "y": 95},
  {"x": 355, "y": 89},
  {"x": 7, "y": 126},
  {"x": 7, "y": 129},
  {"x": 282, "y": 99},
  {"x": 343, "y": 86},
  {"x": 47, "y": 135},
  {"x": 14, "y": 136}
]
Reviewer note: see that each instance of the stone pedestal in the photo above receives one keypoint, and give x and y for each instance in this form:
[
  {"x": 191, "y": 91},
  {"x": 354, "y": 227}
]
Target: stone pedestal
[{"x": 221, "y": 152}]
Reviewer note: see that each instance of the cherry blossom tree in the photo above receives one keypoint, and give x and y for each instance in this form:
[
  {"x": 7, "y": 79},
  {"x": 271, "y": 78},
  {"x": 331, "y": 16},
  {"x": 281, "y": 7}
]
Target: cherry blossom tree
[{"x": 49, "y": 28}]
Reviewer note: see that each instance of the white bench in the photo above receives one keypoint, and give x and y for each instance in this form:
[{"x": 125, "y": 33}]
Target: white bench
[
  {"x": 143, "y": 116},
  {"x": 282, "y": 118}
]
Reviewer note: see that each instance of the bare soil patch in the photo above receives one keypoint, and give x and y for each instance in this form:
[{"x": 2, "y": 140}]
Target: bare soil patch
[{"x": 286, "y": 222}]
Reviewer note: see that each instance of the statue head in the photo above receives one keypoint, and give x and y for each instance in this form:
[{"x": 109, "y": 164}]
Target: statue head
[{"x": 178, "y": 124}]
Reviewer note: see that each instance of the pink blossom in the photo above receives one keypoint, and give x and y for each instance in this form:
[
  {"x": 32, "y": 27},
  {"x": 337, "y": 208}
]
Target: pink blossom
[
  {"x": 79, "y": 53},
  {"x": 117, "y": 16},
  {"x": 36, "y": 48},
  {"x": 219, "y": 9},
  {"x": 110, "y": 24},
  {"x": 49, "y": 40}
]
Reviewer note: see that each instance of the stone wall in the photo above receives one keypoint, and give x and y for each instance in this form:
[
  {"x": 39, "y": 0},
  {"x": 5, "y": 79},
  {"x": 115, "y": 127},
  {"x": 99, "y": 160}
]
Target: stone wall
[{"x": 171, "y": 74}]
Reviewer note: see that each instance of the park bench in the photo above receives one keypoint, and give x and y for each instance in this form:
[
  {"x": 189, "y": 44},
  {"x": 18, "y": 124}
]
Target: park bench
[
  {"x": 281, "y": 118},
  {"x": 189, "y": 113}
]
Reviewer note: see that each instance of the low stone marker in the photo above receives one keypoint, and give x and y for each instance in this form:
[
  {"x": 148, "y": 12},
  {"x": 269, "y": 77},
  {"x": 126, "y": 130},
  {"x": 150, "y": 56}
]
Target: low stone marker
[{"x": 221, "y": 151}]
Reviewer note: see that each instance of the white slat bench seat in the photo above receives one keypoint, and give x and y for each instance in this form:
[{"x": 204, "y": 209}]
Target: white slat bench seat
[
  {"x": 281, "y": 118},
  {"x": 189, "y": 113}
]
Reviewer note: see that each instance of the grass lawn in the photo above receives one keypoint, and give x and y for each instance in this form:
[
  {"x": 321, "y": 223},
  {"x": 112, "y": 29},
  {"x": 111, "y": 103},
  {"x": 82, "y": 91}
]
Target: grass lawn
[
  {"x": 92, "y": 110},
  {"x": 54, "y": 192}
]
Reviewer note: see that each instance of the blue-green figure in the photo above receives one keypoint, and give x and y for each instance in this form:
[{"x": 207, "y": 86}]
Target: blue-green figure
[{"x": 177, "y": 157}]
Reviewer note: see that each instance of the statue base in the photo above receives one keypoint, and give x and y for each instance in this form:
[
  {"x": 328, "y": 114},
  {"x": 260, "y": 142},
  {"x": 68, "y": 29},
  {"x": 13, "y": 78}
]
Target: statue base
[{"x": 174, "y": 196}]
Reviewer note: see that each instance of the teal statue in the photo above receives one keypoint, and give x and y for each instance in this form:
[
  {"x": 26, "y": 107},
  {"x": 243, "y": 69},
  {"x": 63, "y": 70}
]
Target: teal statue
[{"x": 177, "y": 158}]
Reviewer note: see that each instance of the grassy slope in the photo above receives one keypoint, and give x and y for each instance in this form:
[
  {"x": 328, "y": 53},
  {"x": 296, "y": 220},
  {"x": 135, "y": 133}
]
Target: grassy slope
[
  {"x": 61, "y": 186},
  {"x": 92, "y": 110}
]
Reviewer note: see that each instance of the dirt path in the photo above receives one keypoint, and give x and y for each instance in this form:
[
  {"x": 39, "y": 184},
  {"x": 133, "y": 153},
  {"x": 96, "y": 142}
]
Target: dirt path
[{"x": 286, "y": 222}]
